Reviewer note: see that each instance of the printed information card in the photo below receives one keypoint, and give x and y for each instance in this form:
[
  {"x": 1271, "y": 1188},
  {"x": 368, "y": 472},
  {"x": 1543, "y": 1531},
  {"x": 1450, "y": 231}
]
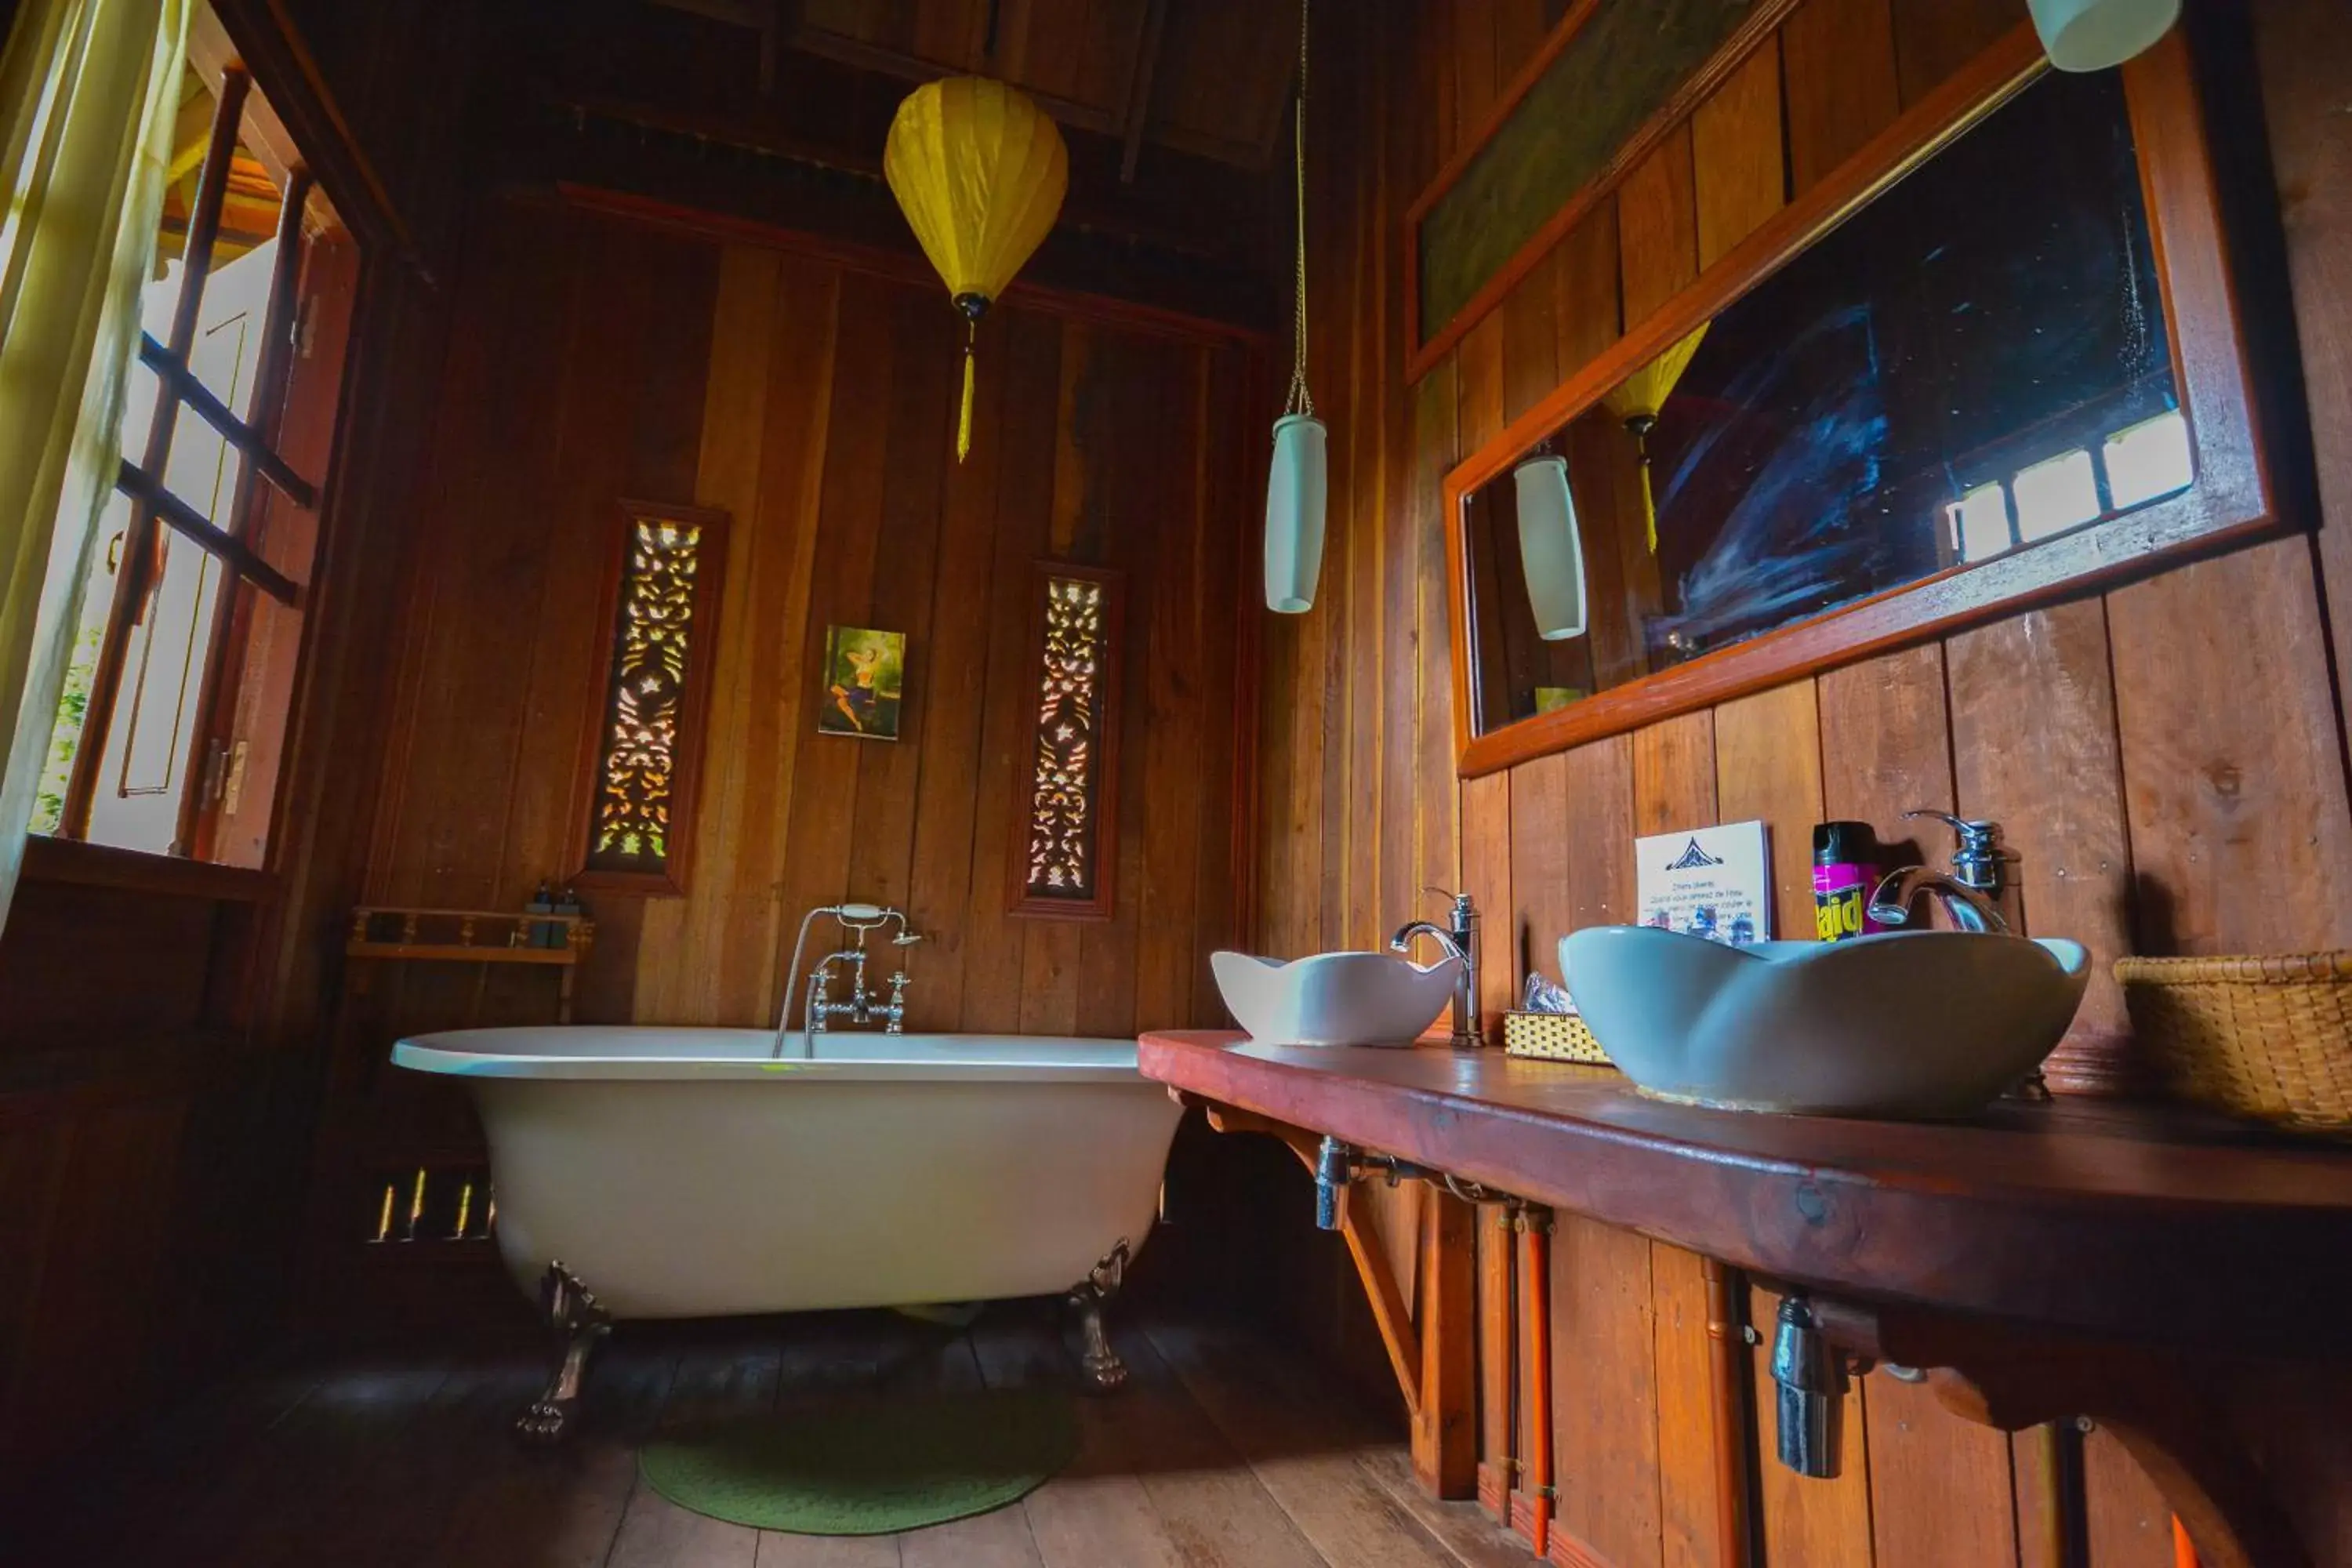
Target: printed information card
[{"x": 1713, "y": 882}]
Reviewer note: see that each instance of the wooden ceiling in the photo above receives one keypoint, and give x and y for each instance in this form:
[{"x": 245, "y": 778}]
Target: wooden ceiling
[
  {"x": 777, "y": 110},
  {"x": 1210, "y": 78}
]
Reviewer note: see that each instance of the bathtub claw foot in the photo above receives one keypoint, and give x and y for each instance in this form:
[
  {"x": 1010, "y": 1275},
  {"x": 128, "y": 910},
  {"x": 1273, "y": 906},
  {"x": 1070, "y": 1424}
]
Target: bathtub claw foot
[
  {"x": 1099, "y": 1365},
  {"x": 579, "y": 1324}
]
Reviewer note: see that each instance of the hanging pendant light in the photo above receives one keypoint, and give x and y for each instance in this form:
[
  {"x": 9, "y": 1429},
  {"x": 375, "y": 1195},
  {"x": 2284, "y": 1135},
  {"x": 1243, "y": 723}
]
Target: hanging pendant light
[
  {"x": 1636, "y": 401},
  {"x": 979, "y": 172},
  {"x": 2092, "y": 34},
  {"x": 1298, "y": 485},
  {"x": 1551, "y": 552}
]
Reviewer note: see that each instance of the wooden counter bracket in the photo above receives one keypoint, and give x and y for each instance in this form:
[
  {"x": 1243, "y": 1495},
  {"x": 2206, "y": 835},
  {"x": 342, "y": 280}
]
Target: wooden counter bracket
[
  {"x": 2013, "y": 1377},
  {"x": 1433, "y": 1354}
]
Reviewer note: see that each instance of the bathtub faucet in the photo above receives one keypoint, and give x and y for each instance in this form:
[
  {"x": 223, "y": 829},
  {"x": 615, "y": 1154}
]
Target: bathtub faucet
[{"x": 862, "y": 1006}]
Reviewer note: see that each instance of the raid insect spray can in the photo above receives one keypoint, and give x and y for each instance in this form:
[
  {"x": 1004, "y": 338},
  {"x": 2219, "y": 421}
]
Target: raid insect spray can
[{"x": 1845, "y": 865}]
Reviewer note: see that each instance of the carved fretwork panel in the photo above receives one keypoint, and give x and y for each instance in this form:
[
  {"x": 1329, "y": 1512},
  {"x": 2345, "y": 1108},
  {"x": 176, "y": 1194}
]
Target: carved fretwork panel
[
  {"x": 1065, "y": 839},
  {"x": 641, "y": 759}
]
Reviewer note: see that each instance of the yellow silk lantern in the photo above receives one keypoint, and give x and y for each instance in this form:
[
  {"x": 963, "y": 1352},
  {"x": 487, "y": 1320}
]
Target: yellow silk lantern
[
  {"x": 1637, "y": 399},
  {"x": 979, "y": 172}
]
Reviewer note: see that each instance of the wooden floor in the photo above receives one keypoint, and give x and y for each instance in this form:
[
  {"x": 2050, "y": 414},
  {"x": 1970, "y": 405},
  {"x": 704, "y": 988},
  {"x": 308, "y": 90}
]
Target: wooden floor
[{"x": 1221, "y": 1451}]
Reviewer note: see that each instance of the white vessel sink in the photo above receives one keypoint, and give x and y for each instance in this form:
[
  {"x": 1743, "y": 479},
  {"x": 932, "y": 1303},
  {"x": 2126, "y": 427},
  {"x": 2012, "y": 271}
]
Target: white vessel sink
[
  {"x": 1334, "y": 998},
  {"x": 1901, "y": 1024}
]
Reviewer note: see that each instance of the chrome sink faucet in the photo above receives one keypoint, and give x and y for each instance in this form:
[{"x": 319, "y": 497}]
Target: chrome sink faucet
[
  {"x": 1459, "y": 937},
  {"x": 1980, "y": 893}
]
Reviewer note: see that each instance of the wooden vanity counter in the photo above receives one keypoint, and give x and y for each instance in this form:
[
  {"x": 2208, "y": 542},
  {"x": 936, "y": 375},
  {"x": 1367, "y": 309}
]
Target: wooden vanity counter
[{"x": 2128, "y": 1221}]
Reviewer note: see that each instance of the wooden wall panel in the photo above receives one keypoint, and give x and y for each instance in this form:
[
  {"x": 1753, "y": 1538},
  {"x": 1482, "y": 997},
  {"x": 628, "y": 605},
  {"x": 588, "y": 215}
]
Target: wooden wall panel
[
  {"x": 1886, "y": 744},
  {"x": 1689, "y": 1427},
  {"x": 2166, "y": 760},
  {"x": 1657, "y": 226},
  {"x": 1739, "y": 155},
  {"x": 1940, "y": 1488},
  {"x": 817, "y": 407},
  {"x": 1837, "y": 60},
  {"x": 1604, "y": 1392},
  {"x": 1767, "y": 767},
  {"x": 2034, "y": 748},
  {"x": 2240, "y": 832}
]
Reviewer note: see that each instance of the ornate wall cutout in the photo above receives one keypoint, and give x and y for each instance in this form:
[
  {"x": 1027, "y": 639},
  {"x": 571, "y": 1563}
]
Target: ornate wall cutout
[
  {"x": 661, "y": 603},
  {"x": 1065, "y": 840}
]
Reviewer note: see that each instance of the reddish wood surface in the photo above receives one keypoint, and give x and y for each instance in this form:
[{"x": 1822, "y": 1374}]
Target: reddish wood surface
[
  {"x": 2049, "y": 726},
  {"x": 1754, "y": 31},
  {"x": 2113, "y": 1219},
  {"x": 2233, "y": 498}
]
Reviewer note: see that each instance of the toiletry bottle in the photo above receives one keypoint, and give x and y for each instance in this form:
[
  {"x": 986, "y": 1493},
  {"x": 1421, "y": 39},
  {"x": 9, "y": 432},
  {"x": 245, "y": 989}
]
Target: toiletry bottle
[
  {"x": 542, "y": 902},
  {"x": 1845, "y": 863},
  {"x": 566, "y": 903}
]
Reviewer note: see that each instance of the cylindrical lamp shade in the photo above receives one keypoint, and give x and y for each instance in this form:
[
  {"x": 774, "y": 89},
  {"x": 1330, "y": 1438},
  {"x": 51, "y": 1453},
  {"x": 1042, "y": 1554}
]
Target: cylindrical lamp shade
[
  {"x": 2092, "y": 34},
  {"x": 1296, "y": 491},
  {"x": 1550, "y": 551}
]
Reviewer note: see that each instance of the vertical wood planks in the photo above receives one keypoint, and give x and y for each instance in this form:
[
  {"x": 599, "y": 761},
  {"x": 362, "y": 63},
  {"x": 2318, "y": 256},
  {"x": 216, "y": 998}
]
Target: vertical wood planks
[
  {"x": 2299, "y": 45},
  {"x": 1886, "y": 748},
  {"x": 1940, "y": 1488},
  {"x": 1739, "y": 154},
  {"x": 1657, "y": 226},
  {"x": 2238, "y": 825},
  {"x": 1540, "y": 862},
  {"x": 955, "y": 667},
  {"x": 1674, "y": 774},
  {"x": 1688, "y": 1429},
  {"x": 2034, "y": 748},
  {"x": 1604, "y": 1400},
  {"x": 1767, "y": 765},
  {"x": 727, "y": 477},
  {"x": 1588, "y": 318},
  {"x": 1837, "y": 58},
  {"x": 1934, "y": 39},
  {"x": 1598, "y": 832}
]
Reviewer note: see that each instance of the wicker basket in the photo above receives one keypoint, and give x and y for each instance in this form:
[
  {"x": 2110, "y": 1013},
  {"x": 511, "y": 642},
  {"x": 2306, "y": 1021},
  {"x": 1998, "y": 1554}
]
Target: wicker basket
[
  {"x": 2266, "y": 1037},
  {"x": 1558, "y": 1036}
]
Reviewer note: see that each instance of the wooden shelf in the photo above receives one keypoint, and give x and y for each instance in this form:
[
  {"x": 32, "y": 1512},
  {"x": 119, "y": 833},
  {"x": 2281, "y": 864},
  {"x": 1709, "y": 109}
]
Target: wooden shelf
[
  {"x": 455, "y": 953},
  {"x": 466, "y": 936},
  {"x": 2139, "y": 1221}
]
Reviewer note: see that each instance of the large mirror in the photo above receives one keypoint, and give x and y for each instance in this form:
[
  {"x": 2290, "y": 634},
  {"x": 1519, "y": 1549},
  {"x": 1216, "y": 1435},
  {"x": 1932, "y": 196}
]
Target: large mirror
[{"x": 1964, "y": 392}]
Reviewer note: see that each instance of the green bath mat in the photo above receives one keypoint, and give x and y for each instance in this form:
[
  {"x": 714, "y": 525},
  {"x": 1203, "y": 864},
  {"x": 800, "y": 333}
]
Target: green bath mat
[{"x": 868, "y": 1467}]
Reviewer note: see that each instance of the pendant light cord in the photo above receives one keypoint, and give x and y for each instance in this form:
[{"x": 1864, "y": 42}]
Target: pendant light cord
[{"x": 1300, "y": 400}]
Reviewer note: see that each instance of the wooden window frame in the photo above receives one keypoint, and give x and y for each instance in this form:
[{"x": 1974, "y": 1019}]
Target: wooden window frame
[
  {"x": 154, "y": 507},
  {"x": 1102, "y": 902},
  {"x": 2233, "y": 498},
  {"x": 694, "y": 700}
]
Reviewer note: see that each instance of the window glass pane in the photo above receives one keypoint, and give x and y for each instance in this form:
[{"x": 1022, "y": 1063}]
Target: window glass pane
[
  {"x": 1980, "y": 523},
  {"x": 2149, "y": 460},
  {"x": 2056, "y": 495}
]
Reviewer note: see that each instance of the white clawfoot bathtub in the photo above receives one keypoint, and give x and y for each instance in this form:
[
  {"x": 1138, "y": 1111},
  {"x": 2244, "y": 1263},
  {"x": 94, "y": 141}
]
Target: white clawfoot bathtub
[{"x": 680, "y": 1172}]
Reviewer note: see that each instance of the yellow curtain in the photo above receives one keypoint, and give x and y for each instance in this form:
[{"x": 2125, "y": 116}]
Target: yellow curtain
[{"x": 89, "y": 92}]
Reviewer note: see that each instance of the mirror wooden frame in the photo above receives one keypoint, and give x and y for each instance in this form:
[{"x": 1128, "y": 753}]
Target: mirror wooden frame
[{"x": 2232, "y": 498}]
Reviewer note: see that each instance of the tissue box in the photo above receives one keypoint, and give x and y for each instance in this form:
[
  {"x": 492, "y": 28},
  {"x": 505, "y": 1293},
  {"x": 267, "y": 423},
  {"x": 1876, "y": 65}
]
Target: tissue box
[{"x": 1558, "y": 1036}]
